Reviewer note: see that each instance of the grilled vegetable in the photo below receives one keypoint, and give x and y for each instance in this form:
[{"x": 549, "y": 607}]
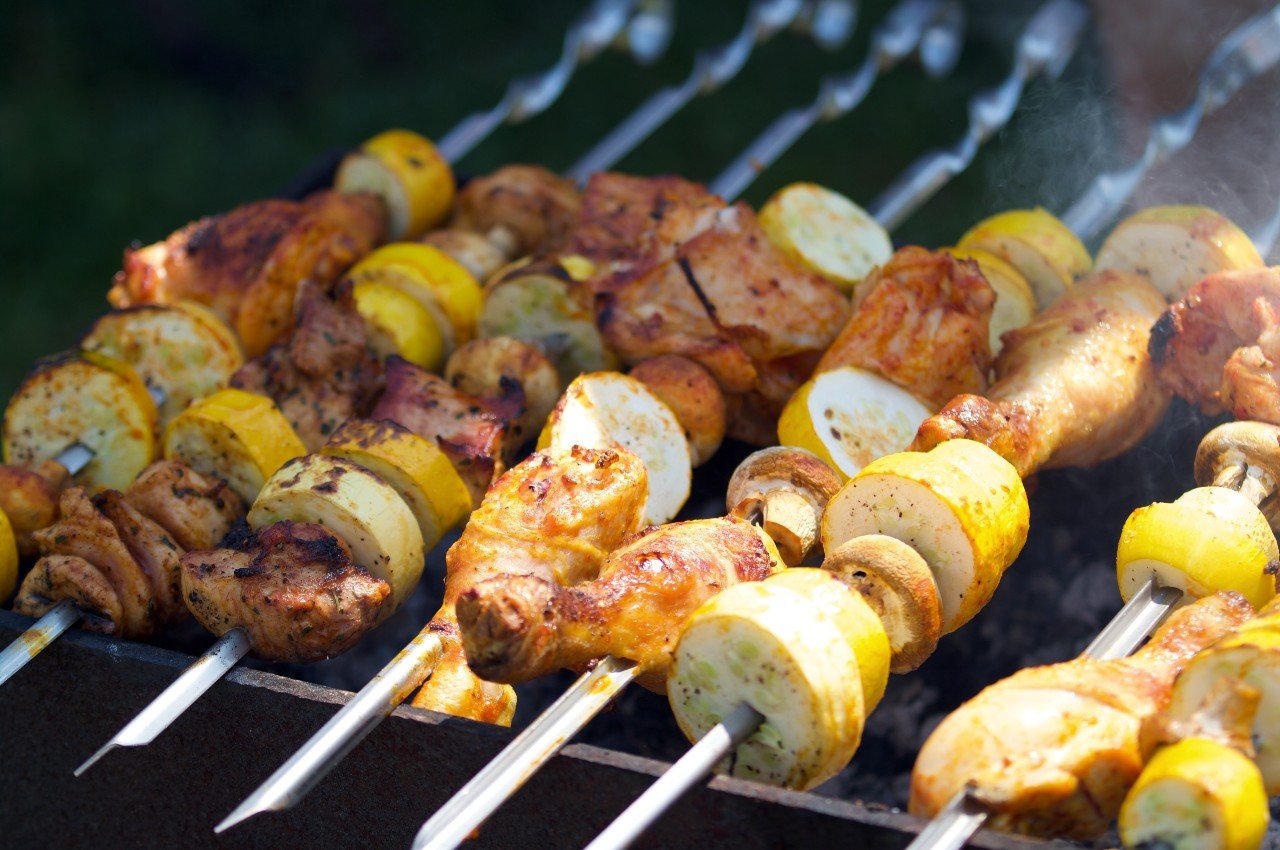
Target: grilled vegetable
[
  {"x": 413, "y": 466},
  {"x": 693, "y": 396},
  {"x": 960, "y": 505},
  {"x": 1015, "y": 302},
  {"x": 184, "y": 350},
  {"x": 8, "y": 559},
  {"x": 849, "y": 417},
  {"x": 399, "y": 324},
  {"x": 355, "y": 504},
  {"x": 540, "y": 309},
  {"x": 237, "y": 436},
  {"x": 1039, "y": 246},
  {"x": 492, "y": 367},
  {"x": 826, "y": 233},
  {"x": 766, "y": 645},
  {"x": 606, "y": 409},
  {"x": 407, "y": 173},
  {"x": 784, "y": 490},
  {"x": 1177, "y": 246},
  {"x": 1196, "y": 794},
  {"x": 90, "y": 399},
  {"x": 1210, "y": 539},
  {"x": 472, "y": 251}
]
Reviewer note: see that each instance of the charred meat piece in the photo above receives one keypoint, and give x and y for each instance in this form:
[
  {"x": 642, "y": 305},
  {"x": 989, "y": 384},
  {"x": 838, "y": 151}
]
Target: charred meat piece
[
  {"x": 525, "y": 209},
  {"x": 247, "y": 264},
  {"x": 58, "y": 577},
  {"x": 30, "y": 500},
  {"x": 291, "y": 586},
  {"x": 196, "y": 510},
  {"x": 324, "y": 375}
]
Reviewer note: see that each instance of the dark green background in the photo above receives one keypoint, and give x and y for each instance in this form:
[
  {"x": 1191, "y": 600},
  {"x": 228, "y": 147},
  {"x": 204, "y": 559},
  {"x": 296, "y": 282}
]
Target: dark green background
[{"x": 123, "y": 121}]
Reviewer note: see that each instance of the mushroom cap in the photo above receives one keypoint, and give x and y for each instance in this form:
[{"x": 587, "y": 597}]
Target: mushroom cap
[
  {"x": 1256, "y": 446},
  {"x": 783, "y": 466}
]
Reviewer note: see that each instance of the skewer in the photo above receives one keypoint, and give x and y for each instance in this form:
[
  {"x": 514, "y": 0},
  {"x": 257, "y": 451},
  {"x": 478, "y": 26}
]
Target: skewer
[
  {"x": 74, "y": 458},
  {"x": 478, "y": 798},
  {"x": 644, "y": 27},
  {"x": 1247, "y": 52},
  {"x": 1045, "y": 46},
  {"x": 933, "y": 30},
  {"x": 830, "y": 24}
]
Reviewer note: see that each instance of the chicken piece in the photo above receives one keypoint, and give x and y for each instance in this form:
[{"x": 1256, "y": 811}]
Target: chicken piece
[
  {"x": 58, "y": 577},
  {"x": 153, "y": 550},
  {"x": 325, "y": 374},
  {"x": 292, "y": 586},
  {"x": 1052, "y": 750},
  {"x": 522, "y": 625},
  {"x": 84, "y": 531},
  {"x": 923, "y": 325},
  {"x": 629, "y": 225},
  {"x": 524, "y": 206},
  {"x": 1075, "y": 386},
  {"x": 196, "y": 510},
  {"x": 247, "y": 264},
  {"x": 29, "y": 498},
  {"x": 556, "y": 515},
  {"x": 1218, "y": 347},
  {"x": 468, "y": 430}
]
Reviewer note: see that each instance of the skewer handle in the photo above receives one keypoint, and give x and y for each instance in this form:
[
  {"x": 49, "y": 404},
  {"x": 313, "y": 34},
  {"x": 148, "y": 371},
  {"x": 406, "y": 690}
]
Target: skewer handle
[
  {"x": 532, "y": 748},
  {"x": 1045, "y": 46},
  {"x": 1248, "y": 51},
  {"x": 1131, "y": 625},
  {"x": 393, "y": 684},
  {"x": 711, "y": 70},
  {"x": 56, "y": 620},
  {"x": 692, "y": 767},
  {"x": 952, "y": 828},
  {"x": 601, "y": 25},
  {"x": 216, "y": 662},
  {"x": 897, "y": 38}
]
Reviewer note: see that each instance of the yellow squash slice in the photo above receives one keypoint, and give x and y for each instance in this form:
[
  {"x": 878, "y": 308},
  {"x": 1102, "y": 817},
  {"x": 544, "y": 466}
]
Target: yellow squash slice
[
  {"x": 85, "y": 398},
  {"x": 1015, "y": 302},
  {"x": 8, "y": 559},
  {"x": 960, "y": 505},
  {"x": 438, "y": 282},
  {"x": 399, "y": 324},
  {"x": 826, "y": 233},
  {"x": 1039, "y": 246},
  {"x": 356, "y": 505},
  {"x": 408, "y": 173},
  {"x": 238, "y": 436}
]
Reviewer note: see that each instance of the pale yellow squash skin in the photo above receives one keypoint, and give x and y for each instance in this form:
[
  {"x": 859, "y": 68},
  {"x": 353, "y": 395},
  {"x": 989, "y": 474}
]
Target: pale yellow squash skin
[
  {"x": 441, "y": 284},
  {"x": 1196, "y": 794},
  {"x": 414, "y": 466},
  {"x": 1042, "y": 249},
  {"x": 8, "y": 559},
  {"x": 1210, "y": 539},
  {"x": 90, "y": 399},
  {"x": 826, "y": 233},
  {"x": 238, "y": 436},
  {"x": 355, "y": 504},
  {"x": 398, "y": 324},
  {"x": 960, "y": 505},
  {"x": 410, "y": 176}
]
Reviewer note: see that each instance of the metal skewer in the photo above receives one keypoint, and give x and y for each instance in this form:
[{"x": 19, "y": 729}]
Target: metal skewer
[
  {"x": 1045, "y": 47},
  {"x": 830, "y": 24},
  {"x": 931, "y": 29},
  {"x": 74, "y": 458},
  {"x": 643, "y": 27},
  {"x": 1249, "y": 50}
]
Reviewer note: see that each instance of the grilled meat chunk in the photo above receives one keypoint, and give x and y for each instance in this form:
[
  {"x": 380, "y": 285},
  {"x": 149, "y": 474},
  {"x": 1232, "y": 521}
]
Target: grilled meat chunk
[
  {"x": 523, "y": 624},
  {"x": 247, "y": 263},
  {"x": 468, "y": 429},
  {"x": 1074, "y": 387},
  {"x": 1052, "y": 750},
  {"x": 29, "y": 498},
  {"x": 196, "y": 510},
  {"x": 556, "y": 515},
  {"x": 291, "y": 586},
  {"x": 1219, "y": 346},
  {"x": 923, "y": 325},
  {"x": 153, "y": 550},
  {"x": 58, "y": 577},
  {"x": 324, "y": 375},
  {"x": 525, "y": 209}
]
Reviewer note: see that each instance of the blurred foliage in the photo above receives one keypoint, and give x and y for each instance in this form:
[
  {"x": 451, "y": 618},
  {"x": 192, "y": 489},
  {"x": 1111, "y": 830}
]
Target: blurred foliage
[{"x": 123, "y": 121}]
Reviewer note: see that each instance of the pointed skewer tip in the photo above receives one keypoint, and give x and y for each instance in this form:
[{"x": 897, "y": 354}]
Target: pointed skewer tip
[{"x": 93, "y": 759}]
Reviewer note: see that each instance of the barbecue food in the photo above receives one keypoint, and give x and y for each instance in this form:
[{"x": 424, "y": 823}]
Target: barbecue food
[
  {"x": 195, "y": 510},
  {"x": 1217, "y": 347},
  {"x": 501, "y": 368},
  {"x": 407, "y": 173},
  {"x": 554, "y": 516},
  {"x": 518, "y": 626},
  {"x": 608, "y": 409},
  {"x": 693, "y": 396},
  {"x": 29, "y": 500},
  {"x": 1074, "y": 387},
  {"x": 1203, "y": 242},
  {"x": 326, "y": 372},
  {"x": 467, "y": 429},
  {"x": 292, "y": 586},
  {"x": 1015, "y": 303},
  {"x": 478, "y": 255},
  {"x": 523, "y": 208},
  {"x": 1052, "y": 750},
  {"x": 1036, "y": 244},
  {"x": 784, "y": 491},
  {"x": 246, "y": 264}
]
